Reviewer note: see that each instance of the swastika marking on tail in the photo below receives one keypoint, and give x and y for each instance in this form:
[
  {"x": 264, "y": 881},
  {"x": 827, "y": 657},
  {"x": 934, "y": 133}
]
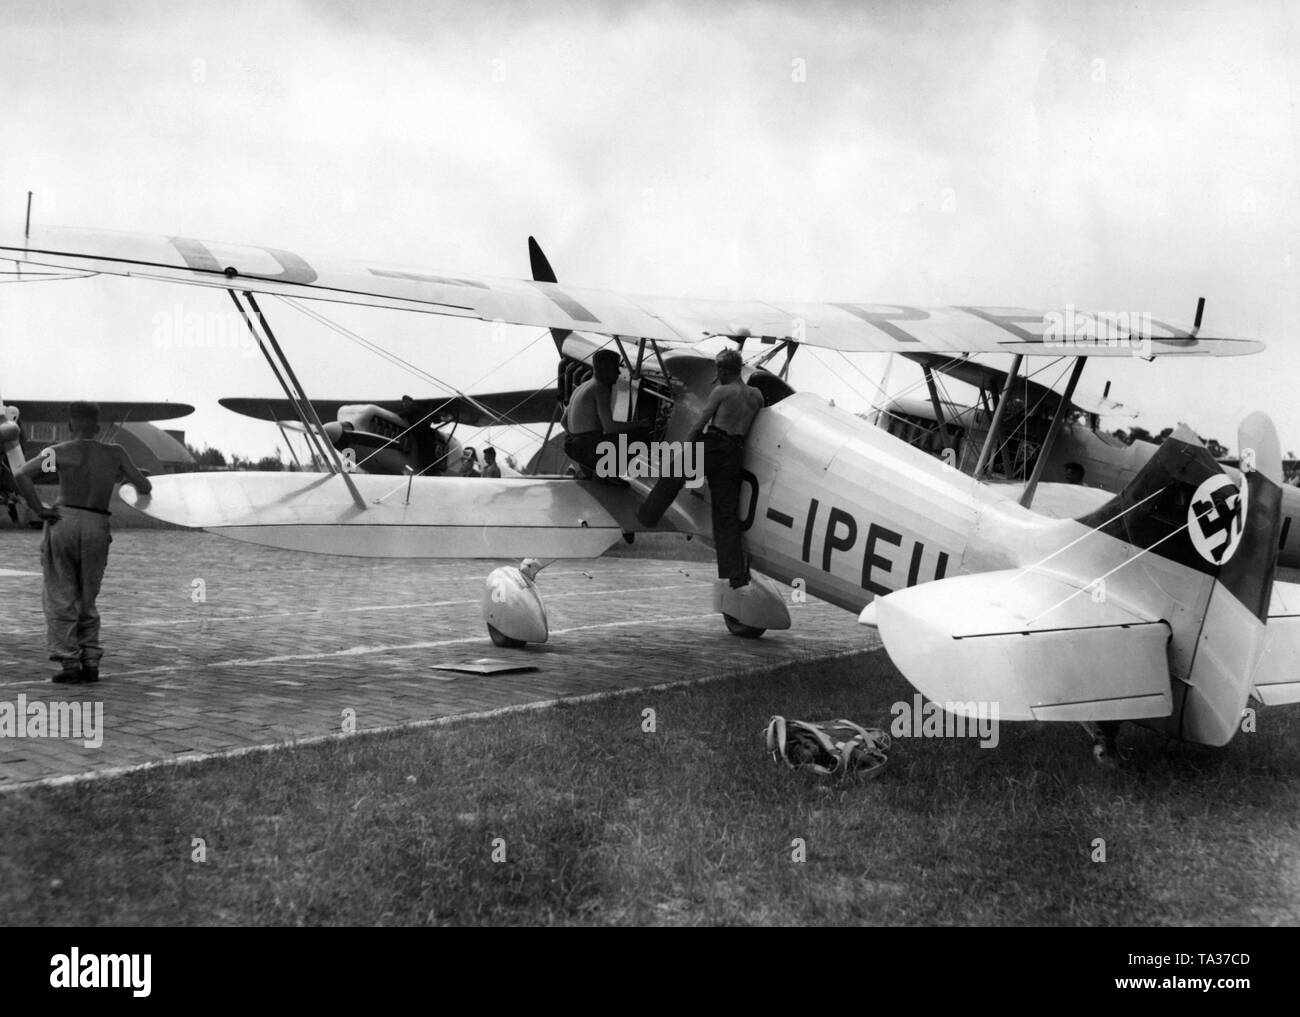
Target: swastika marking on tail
[{"x": 1216, "y": 519}]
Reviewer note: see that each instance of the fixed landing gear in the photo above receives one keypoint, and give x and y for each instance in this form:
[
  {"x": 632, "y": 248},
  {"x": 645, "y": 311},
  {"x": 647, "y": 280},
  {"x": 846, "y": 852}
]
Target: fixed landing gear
[
  {"x": 738, "y": 628},
  {"x": 1104, "y": 749},
  {"x": 512, "y": 607},
  {"x": 501, "y": 639},
  {"x": 515, "y": 615},
  {"x": 752, "y": 609}
]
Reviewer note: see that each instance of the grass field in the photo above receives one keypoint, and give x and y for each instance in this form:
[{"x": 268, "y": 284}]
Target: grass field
[{"x": 601, "y": 822}]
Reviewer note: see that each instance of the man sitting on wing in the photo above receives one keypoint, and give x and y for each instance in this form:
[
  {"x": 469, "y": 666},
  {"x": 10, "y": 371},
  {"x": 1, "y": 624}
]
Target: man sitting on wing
[
  {"x": 589, "y": 420},
  {"x": 728, "y": 413}
]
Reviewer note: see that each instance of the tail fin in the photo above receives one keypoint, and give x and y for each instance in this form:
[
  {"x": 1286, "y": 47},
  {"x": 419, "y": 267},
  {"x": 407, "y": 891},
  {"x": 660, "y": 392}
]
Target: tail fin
[{"x": 1182, "y": 506}]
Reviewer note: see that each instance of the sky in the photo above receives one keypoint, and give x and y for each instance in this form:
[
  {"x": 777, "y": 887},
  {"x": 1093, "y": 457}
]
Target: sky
[{"x": 1106, "y": 156}]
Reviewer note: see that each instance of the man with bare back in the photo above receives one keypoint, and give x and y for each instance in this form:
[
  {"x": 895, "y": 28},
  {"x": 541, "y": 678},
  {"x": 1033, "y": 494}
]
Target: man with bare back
[
  {"x": 723, "y": 424},
  {"x": 74, "y": 548}
]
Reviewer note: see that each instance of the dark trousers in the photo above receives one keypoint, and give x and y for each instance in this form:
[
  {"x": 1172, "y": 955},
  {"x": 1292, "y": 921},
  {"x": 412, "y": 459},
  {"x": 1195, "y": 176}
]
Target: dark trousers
[
  {"x": 663, "y": 494},
  {"x": 74, "y": 554},
  {"x": 724, "y": 460},
  {"x": 584, "y": 448},
  {"x": 724, "y": 463}
]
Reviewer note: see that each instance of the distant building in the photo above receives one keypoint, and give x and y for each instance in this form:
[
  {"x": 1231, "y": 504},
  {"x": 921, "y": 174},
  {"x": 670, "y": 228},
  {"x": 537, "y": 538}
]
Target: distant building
[{"x": 154, "y": 450}]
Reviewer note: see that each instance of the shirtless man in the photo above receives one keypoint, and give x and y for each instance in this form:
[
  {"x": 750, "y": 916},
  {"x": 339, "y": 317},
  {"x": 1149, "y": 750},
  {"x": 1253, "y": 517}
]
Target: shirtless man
[
  {"x": 589, "y": 420},
  {"x": 74, "y": 549},
  {"x": 728, "y": 413}
]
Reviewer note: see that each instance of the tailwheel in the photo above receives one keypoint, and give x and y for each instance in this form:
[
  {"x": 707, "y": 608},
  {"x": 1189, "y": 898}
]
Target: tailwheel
[
  {"x": 737, "y": 628},
  {"x": 501, "y": 639},
  {"x": 1104, "y": 748}
]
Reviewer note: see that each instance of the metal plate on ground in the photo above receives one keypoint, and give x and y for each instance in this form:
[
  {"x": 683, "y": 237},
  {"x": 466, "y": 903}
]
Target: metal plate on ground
[{"x": 481, "y": 665}]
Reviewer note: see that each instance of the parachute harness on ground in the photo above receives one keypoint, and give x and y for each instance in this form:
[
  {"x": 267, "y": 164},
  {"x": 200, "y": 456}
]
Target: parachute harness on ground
[{"x": 830, "y": 747}]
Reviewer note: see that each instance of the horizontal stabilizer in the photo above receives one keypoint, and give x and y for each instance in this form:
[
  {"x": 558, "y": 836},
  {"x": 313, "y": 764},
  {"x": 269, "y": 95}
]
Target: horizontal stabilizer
[{"x": 1036, "y": 644}]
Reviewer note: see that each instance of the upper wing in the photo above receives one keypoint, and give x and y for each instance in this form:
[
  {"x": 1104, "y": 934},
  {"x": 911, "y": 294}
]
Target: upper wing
[
  {"x": 523, "y": 407},
  {"x": 851, "y": 327},
  {"x": 109, "y": 413}
]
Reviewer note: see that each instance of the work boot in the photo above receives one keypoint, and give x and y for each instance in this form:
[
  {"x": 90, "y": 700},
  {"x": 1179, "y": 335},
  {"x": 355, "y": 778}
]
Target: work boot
[{"x": 70, "y": 675}]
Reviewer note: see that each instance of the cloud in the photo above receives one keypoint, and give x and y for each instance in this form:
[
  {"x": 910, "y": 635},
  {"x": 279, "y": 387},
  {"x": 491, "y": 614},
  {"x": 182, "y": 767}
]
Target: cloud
[{"x": 1026, "y": 154}]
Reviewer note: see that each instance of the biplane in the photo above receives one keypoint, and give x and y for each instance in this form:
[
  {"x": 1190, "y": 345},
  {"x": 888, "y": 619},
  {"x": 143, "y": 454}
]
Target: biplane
[
  {"x": 1159, "y": 606},
  {"x": 399, "y": 436}
]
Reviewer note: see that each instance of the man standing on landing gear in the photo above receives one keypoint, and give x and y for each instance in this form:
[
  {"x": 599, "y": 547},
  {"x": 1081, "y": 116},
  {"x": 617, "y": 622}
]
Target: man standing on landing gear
[
  {"x": 74, "y": 548},
  {"x": 724, "y": 422}
]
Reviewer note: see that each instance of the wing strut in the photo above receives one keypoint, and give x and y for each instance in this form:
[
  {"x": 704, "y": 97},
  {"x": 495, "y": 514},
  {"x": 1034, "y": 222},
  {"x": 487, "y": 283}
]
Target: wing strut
[
  {"x": 556, "y": 414},
  {"x": 995, "y": 425},
  {"x": 787, "y": 345},
  {"x": 654, "y": 346},
  {"x": 1027, "y": 498},
  {"x": 317, "y": 452},
  {"x": 297, "y": 394},
  {"x": 292, "y": 451},
  {"x": 938, "y": 409}
]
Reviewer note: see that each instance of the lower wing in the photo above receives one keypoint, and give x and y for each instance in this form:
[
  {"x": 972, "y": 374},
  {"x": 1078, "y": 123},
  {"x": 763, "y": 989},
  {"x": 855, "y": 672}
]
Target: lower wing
[{"x": 419, "y": 517}]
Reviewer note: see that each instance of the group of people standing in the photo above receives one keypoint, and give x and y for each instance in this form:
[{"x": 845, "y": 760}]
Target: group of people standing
[{"x": 469, "y": 465}]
